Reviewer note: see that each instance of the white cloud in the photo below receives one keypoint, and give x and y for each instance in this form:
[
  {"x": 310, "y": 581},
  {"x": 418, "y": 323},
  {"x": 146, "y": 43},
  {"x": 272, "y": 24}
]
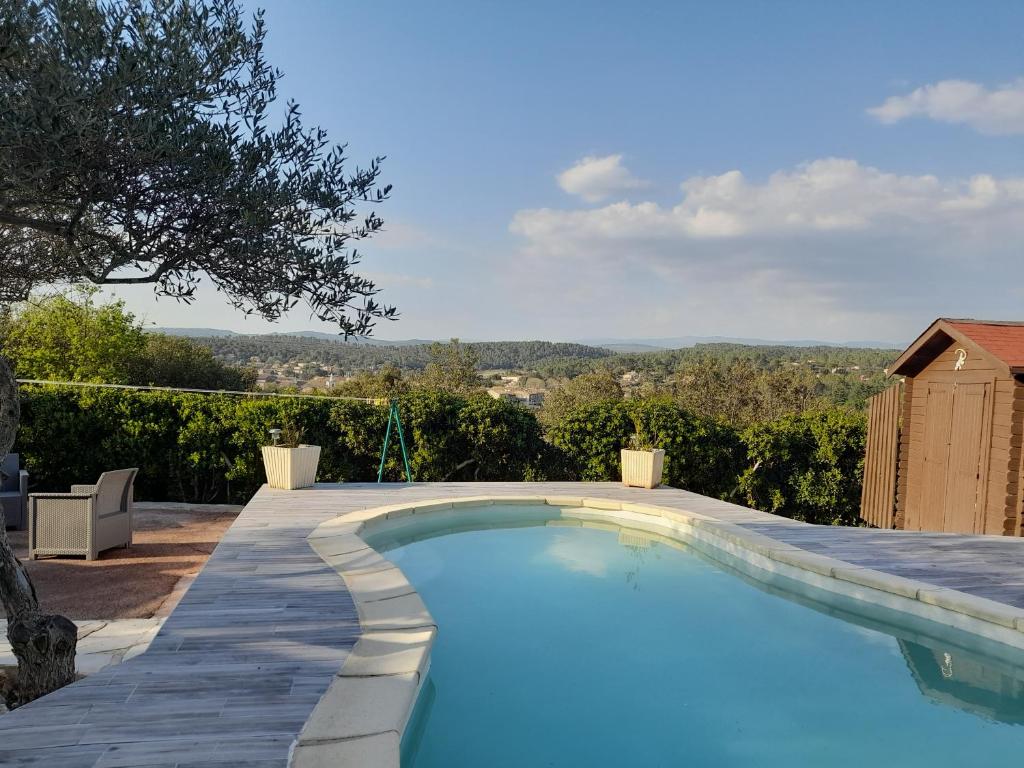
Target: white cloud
[
  {"x": 578, "y": 555},
  {"x": 827, "y": 249},
  {"x": 998, "y": 111},
  {"x": 597, "y": 178},
  {"x": 832, "y": 195}
]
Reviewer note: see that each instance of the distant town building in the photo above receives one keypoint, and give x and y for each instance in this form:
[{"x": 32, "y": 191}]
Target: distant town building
[
  {"x": 629, "y": 378},
  {"x": 499, "y": 393},
  {"x": 533, "y": 399}
]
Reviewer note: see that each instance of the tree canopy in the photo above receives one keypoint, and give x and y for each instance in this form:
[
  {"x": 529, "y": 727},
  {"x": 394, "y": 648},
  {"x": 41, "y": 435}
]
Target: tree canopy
[
  {"x": 75, "y": 338},
  {"x": 452, "y": 369},
  {"x": 72, "y": 338},
  {"x": 353, "y": 357},
  {"x": 136, "y": 147},
  {"x": 740, "y": 392},
  {"x": 585, "y": 389}
]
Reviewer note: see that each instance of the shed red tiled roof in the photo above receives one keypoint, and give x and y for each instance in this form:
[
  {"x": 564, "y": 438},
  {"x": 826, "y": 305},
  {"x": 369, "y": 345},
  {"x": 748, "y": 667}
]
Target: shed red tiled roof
[{"x": 1004, "y": 341}]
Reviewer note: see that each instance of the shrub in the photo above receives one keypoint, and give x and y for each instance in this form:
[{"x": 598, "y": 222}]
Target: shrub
[
  {"x": 204, "y": 448},
  {"x": 590, "y": 437},
  {"x": 807, "y": 466},
  {"x": 702, "y": 455}
]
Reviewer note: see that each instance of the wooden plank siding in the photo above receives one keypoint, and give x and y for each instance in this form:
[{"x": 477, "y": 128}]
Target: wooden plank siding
[
  {"x": 878, "y": 492},
  {"x": 914, "y": 436},
  {"x": 996, "y": 441},
  {"x": 1013, "y": 499},
  {"x": 903, "y": 466}
]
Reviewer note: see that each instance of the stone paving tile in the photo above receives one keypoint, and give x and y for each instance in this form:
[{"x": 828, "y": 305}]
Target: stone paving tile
[
  {"x": 234, "y": 672},
  {"x": 65, "y": 757},
  {"x": 985, "y": 566}
]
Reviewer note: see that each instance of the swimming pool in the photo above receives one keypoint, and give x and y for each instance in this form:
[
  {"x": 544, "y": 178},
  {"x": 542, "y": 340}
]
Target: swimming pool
[{"x": 570, "y": 642}]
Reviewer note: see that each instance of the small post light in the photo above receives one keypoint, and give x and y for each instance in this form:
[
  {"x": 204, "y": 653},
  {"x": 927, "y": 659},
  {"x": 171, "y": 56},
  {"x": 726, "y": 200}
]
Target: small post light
[{"x": 275, "y": 435}]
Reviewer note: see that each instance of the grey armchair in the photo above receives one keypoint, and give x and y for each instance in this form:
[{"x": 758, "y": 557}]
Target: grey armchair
[
  {"x": 13, "y": 492},
  {"x": 86, "y": 521}
]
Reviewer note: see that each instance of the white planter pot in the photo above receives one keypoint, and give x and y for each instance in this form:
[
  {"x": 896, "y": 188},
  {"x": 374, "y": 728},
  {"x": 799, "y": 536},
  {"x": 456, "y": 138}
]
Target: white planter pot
[
  {"x": 642, "y": 469},
  {"x": 291, "y": 468}
]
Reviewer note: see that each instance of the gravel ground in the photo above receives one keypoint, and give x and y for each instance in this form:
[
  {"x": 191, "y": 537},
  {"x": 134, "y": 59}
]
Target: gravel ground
[{"x": 172, "y": 542}]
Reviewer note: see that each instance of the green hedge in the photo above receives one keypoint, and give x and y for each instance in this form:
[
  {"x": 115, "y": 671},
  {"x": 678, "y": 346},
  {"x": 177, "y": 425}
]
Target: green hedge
[
  {"x": 807, "y": 466},
  {"x": 700, "y": 455},
  {"x": 205, "y": 448},
  {"x": 191, "y": 447}
]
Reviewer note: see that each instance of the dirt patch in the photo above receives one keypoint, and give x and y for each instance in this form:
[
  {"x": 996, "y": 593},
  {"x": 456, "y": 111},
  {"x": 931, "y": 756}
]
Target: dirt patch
[{"x": 172, "y": 541}]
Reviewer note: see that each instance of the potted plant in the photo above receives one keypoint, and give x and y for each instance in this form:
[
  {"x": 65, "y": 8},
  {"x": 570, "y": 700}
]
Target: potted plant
[
  {"x": 289, "y": 462},
  {"x": 642, "y": 463}
]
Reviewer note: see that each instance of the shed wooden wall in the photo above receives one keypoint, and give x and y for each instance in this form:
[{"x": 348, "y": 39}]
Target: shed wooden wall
[
  {"x": 903, "y": 459},
  {"x": 1001, "y": 472},
  {"x": 1005, "y": 484},
  {"x": 878, "y": 493},
  {"x": 1014, "y": 511}
]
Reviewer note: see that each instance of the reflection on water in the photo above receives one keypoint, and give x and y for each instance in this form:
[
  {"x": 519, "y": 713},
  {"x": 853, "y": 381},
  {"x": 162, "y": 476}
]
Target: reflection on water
[
  {"x": 957, "y": 678},
  {"x": 952, "y": 669},
  {"x": 639, "y": 545}
]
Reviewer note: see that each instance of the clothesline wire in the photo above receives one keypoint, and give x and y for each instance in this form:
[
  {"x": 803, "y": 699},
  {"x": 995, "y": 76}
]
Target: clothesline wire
[{"x": 371, "y": 400}]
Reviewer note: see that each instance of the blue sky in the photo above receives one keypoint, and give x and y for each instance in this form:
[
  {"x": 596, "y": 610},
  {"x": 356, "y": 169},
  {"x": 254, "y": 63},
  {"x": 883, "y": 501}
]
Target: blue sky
[{"x": 594, "y": 169}]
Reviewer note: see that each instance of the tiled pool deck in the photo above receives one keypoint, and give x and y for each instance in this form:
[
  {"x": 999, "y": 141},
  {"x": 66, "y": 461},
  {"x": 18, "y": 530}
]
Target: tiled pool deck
[{"x": 239, "y": 666}]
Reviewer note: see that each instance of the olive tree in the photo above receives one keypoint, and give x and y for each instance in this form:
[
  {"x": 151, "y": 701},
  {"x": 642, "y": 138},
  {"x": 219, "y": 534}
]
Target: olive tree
[{"x": 137, "y": 147}]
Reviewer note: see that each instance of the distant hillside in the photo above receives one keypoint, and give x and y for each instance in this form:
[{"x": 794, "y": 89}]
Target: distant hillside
[
  {"x": 192, "y": 332},
  {"x": 625, "y": 346},
  {"x": 203, "y": 333},
  {"x": 352, "y": 356},
  {"x": 615, "y": 345},
  {"x": 661, "y": 363},
  {"x": 362, "y": 341},
  {"x": 684, "y": 342}
]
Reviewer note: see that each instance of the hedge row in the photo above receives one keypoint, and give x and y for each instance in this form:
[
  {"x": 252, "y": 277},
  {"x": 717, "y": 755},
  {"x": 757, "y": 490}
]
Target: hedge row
[{"x": 206, "y": 448}]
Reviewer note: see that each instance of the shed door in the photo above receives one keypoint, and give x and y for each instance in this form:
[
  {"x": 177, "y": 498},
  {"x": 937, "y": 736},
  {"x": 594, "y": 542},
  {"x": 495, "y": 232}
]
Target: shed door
[
  {"x": 938, "y": 420},
  {"x": 968, "y": 442}
]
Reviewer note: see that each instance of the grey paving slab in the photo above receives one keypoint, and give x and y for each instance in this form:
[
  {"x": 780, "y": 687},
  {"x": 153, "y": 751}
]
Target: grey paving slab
[
  {"x": 238, "y": 666},
  {"x": 986, "y": 566}
]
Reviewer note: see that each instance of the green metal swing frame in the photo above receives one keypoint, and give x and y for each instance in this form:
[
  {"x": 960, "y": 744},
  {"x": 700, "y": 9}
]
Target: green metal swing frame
[{"x": 394, "y": 418}]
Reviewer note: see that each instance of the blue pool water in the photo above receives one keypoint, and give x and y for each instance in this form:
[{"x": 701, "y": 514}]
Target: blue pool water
[{"x": 571, "y": 646}]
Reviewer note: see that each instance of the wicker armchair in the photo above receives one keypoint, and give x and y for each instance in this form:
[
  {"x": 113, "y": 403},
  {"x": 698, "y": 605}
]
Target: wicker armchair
[
  {"x": 86, "y": 521},
  {"x": 13, "y": 492}
]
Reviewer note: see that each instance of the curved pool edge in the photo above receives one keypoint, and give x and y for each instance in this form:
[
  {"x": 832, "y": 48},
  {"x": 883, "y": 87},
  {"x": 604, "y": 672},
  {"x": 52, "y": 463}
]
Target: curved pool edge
[{"x": 361, "y": 718}]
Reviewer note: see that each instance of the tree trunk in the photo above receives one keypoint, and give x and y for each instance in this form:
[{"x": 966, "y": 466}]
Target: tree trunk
[{"x": 44, "y": 645}]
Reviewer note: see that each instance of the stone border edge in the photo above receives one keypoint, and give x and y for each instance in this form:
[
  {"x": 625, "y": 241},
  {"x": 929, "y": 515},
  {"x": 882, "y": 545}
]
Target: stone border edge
[{"x": 360, "y": 719}]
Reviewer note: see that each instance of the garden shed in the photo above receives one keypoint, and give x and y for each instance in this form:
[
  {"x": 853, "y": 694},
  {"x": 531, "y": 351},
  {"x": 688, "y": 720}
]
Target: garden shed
[{"x": 944, "y": 448}]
